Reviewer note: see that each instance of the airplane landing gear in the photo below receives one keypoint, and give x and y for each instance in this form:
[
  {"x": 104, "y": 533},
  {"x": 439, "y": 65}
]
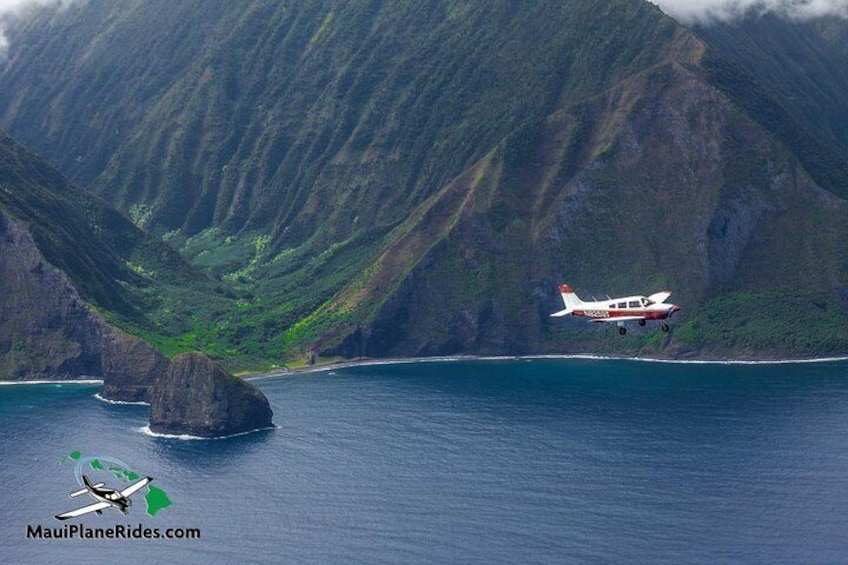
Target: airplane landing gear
[
  {"x": 642, "y": 322},
  {"x": 665, "y": 327},
  {"x": 622, "y": 330}
]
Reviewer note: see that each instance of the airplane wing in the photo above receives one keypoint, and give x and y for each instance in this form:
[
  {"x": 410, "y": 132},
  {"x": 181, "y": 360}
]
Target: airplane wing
[
  {"x": 136, "y": 486},
  {"x": 84, "y": 510},
  {"x": 659, "y": 297},
  {"x": 618, "y": 319},
  {"x": 83, "y": 491}
]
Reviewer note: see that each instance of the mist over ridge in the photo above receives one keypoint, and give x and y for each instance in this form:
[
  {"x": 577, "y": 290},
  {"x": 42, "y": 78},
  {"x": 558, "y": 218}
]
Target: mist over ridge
[
  {"x": 710, "y": 11},
  {"x": 13, "y": 8}
]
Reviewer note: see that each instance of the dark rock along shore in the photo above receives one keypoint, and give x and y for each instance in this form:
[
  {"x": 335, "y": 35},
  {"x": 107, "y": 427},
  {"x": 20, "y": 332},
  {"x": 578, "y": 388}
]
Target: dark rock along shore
[
  {"x": 48, "y": 331},
  {"x": 197, "y": 397}
]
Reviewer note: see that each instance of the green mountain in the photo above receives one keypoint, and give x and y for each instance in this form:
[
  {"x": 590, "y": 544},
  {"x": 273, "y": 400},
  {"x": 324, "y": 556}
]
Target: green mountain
[
  {"x": 414, "y": 178},
  {"x": 135, "y": 280},
  {"x": 792, "y": 77}
]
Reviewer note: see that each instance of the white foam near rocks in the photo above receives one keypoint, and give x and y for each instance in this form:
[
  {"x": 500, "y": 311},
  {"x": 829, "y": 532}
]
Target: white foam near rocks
[{"x": 188, "y": 437}]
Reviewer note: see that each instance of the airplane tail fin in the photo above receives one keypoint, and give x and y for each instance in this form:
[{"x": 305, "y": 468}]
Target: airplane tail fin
[
  {"x": 87, "y": 481},
  {"x": 570, "y": 299}
]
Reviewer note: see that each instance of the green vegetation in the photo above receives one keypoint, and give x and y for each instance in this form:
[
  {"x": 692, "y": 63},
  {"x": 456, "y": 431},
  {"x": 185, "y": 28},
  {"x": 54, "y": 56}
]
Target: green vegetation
[
  {"x": 780, "y": 320},
  {"x": 792, "y": 78},
  {"x": 416, "y": 177}
]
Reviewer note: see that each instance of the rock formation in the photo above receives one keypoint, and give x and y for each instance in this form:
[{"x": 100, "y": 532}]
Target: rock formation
[
  {"x": 130, "y": 366},
  {"x": 196, "y": 397},
  {"x": 48, "y": 332}
]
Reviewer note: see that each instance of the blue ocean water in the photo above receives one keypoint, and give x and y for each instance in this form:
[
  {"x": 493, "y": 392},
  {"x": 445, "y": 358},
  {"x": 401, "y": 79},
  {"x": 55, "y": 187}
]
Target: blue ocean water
[{"x": 519, "y": 461}]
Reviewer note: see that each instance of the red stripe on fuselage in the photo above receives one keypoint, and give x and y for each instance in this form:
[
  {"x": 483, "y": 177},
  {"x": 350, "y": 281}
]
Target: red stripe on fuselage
[{"x": 648, "y": 314}]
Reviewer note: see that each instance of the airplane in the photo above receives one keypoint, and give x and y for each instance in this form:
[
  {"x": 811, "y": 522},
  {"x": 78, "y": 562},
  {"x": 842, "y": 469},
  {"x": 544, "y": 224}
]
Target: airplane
[
  {"x": 618, "y": 310},
  {"x": 106, "y": 497}
]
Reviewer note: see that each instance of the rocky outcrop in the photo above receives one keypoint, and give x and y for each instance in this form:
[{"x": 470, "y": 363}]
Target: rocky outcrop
[
  {"x": 196, "y": 397},
  {"x": 48, "y": 332},
  {"x": 130, "y": 367}
]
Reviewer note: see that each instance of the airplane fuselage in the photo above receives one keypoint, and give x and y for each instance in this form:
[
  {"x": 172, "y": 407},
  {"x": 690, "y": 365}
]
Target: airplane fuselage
[
  {"x": 628, "y": 306},
  {"x": 109, "y": 496},
  {"x": 619, "y": 311}
]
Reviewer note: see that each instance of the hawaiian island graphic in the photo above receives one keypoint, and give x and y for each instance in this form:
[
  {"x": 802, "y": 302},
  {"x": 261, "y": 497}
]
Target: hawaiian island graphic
[{"x": 98, "y": 467}]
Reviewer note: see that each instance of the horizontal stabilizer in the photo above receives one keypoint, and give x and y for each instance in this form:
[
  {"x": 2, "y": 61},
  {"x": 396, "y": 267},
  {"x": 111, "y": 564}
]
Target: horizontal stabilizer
[{"x": 561, "y": 313}]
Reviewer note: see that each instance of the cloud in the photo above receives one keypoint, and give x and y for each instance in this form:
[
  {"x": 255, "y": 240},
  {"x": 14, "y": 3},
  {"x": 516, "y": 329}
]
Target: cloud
[
  {"x": 14, "y": 8},
  {"x": 707, "y": 11}
]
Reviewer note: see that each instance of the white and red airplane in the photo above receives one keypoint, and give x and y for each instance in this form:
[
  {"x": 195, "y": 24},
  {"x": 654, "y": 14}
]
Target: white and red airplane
[{"x": 638, "y": 309}]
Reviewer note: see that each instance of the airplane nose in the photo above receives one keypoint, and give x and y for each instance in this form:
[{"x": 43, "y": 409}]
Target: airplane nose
[{"x": 675, "y": 308}]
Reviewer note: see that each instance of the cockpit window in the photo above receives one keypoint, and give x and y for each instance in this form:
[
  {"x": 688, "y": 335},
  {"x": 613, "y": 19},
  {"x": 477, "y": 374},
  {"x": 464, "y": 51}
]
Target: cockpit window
[{"x": 646, "y": 302}]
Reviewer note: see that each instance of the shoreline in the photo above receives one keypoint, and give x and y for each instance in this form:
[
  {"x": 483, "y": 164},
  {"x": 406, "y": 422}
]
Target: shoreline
[
  {"x": 574, "y": 356},
  {"x": 367, "y": 362},
  {"x": 79, "y": 381}
]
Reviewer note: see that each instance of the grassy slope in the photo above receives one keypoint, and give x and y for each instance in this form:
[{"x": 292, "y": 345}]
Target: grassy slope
[
  {"x": 415, "y": 178},
  {"x": 139, "y": 283},
  {"x": 708, "y": 203},
  {"x": 802, "y": 65},
  {"x": 305, "y": 121}
]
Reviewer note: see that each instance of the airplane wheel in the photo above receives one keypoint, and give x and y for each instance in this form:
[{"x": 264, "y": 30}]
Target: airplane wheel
[
  {"x": 665, "y": 327},
  {"x": 641, "y": 322},
  {"x": 622, "y": 330}
]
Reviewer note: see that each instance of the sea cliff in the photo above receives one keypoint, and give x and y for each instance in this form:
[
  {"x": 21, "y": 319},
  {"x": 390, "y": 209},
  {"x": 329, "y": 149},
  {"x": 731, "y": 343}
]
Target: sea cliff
[{"x": 197, "y": 397}]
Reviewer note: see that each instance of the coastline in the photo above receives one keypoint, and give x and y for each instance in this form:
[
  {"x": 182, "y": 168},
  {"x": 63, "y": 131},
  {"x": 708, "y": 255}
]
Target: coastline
[
  {"x": 79, "y": 381},
  {"x": 366, "y": 362},
  {"x": 576, "y": 356}
]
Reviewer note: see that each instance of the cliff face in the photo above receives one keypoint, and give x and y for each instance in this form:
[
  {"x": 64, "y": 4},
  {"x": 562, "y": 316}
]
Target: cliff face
[
  {"x": 48, "y": 332},
  {"x": 198, "y": 398},
  {"x": 130, "y": 367},
  {"x": 663, "y": 181}
]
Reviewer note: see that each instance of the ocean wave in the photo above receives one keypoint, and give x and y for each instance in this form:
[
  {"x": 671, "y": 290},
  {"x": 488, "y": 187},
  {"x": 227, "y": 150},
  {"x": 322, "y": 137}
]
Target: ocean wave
[
  {"x": 330, "y": 369},
  {"x": 592, "y": 357},
  {"x": 139, "y": 403},
  {"x": 740, "y": 361},
  {"x": 56, "y": 382},
  {"x": 188, "y": 437}
]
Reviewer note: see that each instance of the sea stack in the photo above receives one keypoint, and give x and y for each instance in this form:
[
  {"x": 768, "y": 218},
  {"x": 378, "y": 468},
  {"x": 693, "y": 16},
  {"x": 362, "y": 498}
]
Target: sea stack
[
  {"x": 129, "y": 366},
  {"x": 196, "y": 397}
]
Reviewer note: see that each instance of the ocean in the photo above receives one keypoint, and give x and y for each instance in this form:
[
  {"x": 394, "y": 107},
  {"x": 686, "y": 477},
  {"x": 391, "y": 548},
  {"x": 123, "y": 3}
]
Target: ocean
[{"x": 464, "y": 461}]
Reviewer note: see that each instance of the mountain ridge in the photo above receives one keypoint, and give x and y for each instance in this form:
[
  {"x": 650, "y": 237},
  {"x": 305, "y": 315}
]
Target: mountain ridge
[{"x": 366, "y": 181}]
